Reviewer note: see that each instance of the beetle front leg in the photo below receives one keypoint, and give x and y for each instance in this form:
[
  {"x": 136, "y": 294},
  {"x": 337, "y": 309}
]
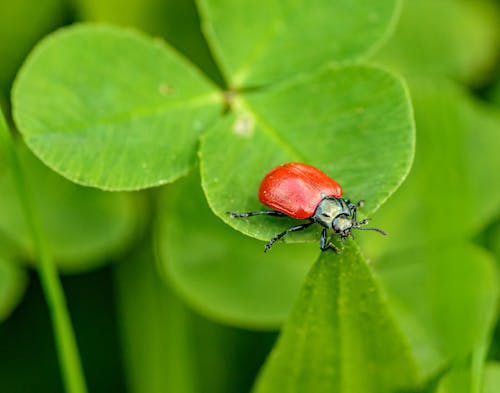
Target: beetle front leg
[
  {"x": 282, "y": 234},
  {"x": 355, "y": 207},
  {"x": 324, "y": 244}
]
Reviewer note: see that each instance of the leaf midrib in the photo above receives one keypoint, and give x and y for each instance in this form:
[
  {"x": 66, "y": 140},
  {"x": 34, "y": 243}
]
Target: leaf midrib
[{"x": 273, "y": 133}]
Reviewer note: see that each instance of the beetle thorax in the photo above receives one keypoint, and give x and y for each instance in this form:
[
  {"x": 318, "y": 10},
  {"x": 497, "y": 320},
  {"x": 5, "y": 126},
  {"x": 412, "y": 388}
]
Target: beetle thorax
[{"x": 333, "y": 213}]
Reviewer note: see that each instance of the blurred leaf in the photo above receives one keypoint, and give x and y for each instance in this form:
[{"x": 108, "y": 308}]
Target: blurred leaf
[
  {"x": 466, "y": 376},
  {"x": 125, "y": 110},
  {"x": 22, "y": 23},
  {"x": 452, "y": 38},
  {"x": 66, "y": 346},
  {"x": 83, "y": 226},
  {"x": 258, "y": 42},
  {"x": 228, "y": 358},
  {"x": 219, "y": 272},
  {"x": 158, "y": 351},
  {"x": 354, "y": 123},
  {"x": 170, "y": 349},
  {"x": 492, "y": 378},
  {"x": 444, "y": 298},
  {"x": 493, "y": 241},
  {"x": 28, "y": 358},
  {"x": 13, "y": 282},
  {"x": 453, "y": 190},
  {"x": 175, "y": 20},
  {"x": 340, "y": 327},
  {"x": 457, "y": 380},
  {"x": 496, "y": 92}
]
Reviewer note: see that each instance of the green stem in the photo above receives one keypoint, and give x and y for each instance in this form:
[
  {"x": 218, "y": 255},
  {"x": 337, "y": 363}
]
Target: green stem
[
  {"x": 477, "y": 367},
  {"x": 67, "y": 349}
]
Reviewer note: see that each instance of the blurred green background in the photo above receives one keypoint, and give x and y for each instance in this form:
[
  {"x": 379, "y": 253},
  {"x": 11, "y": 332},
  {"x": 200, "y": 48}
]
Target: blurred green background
[{"x": 146, "y": 321}]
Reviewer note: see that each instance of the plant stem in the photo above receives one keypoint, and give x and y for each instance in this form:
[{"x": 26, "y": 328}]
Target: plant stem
[
  {"x": 71, "y": 368},
  {"x": 477, "y": 366}
]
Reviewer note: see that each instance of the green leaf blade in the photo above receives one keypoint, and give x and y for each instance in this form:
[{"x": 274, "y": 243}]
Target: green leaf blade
[
  {"x": 444, "y": 298},
  {"x": 13, "y": 282},
  {"x": 459, "y": 40},
  {"x": 492, "y": 377},
  {"x": 260, "y": 42},
  {"x": 125, "y": 111},
  {"x": 160, "y": 359},
  {"x": 340, "y": 327},
  {"x": 176, "y": 20},
  {"x": 21, "y": 25}
]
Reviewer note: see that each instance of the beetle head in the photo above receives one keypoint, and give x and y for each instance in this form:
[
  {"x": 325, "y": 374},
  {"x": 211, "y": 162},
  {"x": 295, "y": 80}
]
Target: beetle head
[{"x": 343, "y": 224}]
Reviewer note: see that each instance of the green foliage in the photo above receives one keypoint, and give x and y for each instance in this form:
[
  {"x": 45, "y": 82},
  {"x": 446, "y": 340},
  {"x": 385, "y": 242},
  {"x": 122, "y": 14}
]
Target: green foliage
[
  {"x": 356, "y": 125},
  {"x": 175, "y": 20},
  {"x": 176, "y": 350},
  {"x": 162, "y": 359},
  {"x": 220, "y": 274},
  {"x": 13, "y": 281},
  {"x": 67, "y": 350},
  {"x": 83, "y": 226},
  {"x": 21, "y": 25},
  {"x": 445, "y": 295},
  {"x": 125, "y": 118},
  {"x": 248, "y": 86},
  {"x": 491, "y": 377},
  {"x": 458, "y": 137},
  {"x": 340, "y": 324},
  {"x": 444, "y": 298},
  {"x": 256, "y": 43},
  {"x": 445, "y": 38}
]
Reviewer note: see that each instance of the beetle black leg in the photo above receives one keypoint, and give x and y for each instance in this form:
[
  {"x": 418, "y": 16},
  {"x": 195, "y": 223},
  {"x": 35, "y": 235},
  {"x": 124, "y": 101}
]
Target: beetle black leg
[
  {"x": 282, "y": 234},
  {"x": 324, "y": 244},
  {"x": 362, "y": 222},
  {"x": 355, "y": 207},
  {"x": 350, "y": 204},
  {"x": 249, "y": 214},
  {"x": 354, "y": 214}
]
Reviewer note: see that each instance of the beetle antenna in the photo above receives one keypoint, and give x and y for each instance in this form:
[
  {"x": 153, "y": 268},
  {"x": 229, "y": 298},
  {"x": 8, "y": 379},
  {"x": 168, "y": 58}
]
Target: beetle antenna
[{"x": 372, "y": 229}]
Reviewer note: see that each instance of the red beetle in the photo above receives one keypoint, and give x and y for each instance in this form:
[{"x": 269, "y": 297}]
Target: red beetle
[{"x": 304, "y": 192}]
